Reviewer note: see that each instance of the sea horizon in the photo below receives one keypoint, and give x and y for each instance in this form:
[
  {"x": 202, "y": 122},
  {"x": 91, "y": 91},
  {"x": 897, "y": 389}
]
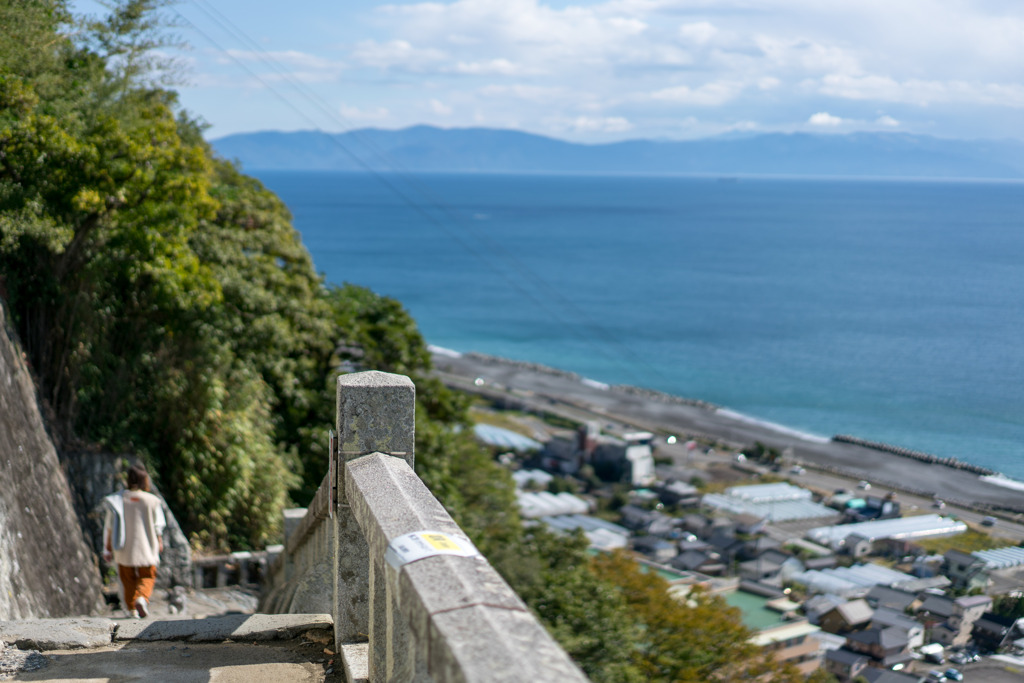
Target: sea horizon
[{"x": 880, "y": 309}]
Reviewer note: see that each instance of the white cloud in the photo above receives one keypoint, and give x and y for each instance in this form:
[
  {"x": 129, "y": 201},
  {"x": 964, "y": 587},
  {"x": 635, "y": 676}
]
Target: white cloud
[
  {"x": 609, "y": 124},
  {"x": 707, "y": 95},
  {"x": 534, "y": 93},
  {"x": 921, "y": 92},
  {"x": 440, "y": 108},
  {"x": 282, "y": 58},
  {"x": 825, "y": 120},
  {"x": 806, "y": 55},
  {"x": 396, "y": 54},
  {"x": 597, "y": 66},
  {"x": 363, "y": 115},
  {"x": 700, "y": 33},
  {"x": 491, "y": 67}
]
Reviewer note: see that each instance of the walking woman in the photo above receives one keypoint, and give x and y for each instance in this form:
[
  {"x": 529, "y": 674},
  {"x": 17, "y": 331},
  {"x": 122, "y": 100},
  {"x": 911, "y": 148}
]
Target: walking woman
[{"x": 133, "y": 538}]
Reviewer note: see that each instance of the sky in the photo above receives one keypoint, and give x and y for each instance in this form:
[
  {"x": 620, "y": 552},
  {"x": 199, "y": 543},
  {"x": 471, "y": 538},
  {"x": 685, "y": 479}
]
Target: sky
[{"x": 607, "y": 70}]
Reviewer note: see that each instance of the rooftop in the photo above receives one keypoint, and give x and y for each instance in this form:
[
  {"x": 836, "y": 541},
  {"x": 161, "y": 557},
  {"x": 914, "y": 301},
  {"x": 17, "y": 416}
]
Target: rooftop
[
  {"x": 1001, "y": 558},
  {"x": 505, "y": 438},
  {"x": 921, "y": 526},
  {"x": 849, "y": 580},
  {"x": 754, "y": 610},
  {"x": 785, "y": 631}
]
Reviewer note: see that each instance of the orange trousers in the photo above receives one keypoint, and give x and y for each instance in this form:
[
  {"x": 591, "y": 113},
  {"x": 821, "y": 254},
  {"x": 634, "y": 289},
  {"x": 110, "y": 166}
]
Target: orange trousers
[{"x": 138, "y": 583}]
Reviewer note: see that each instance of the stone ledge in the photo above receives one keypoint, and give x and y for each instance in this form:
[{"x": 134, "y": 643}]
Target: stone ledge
[
  {"x": 496, "y": 645},
  {"x": 356, "y": 658},
  {"x": 58, "y": 634},
  {"x": 389, "y": 500},
  {"x": 242, "y": 627}
]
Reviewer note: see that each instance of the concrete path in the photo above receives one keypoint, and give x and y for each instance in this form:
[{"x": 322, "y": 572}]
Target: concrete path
[{"x": 226, "y": 648}]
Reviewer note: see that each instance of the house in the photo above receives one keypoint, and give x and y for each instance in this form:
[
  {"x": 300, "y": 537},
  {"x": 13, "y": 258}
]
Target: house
[
  {"x": 697, "y": 524},
  {"x": 956, "y": 630},
  {"x": 637, "y": 518},
  {"x": 754, "y": 548},
  {"x": 849, "y": 616},
  {"x": 817, "y": 606},
  {"x": 657, "y": 549},
  {"x": 992, "y": 632},
  {"x": 965, "y": 570},
  {"x": 818, "y": 563},
  {"x": 767, "y": 565},
  {"x": 628, "y": 459},
  {"x": 664, "y": 526},
  {"x": 857, "y": 546},
  {"x": 724, "y": 541},
  {"x": 792, "y": 642},
  {"x": 874, "y": 508},
  {"x": 892, "y": 598},
  {"x": 679, "y": 493},
  {"x": 935, "y": 610},
  {"x": 562, "y": 455},
  {"x": 750, "y": 524},
  {"x": 691, "y": 544},
  {"x": 845, "y": 664},
  {"x": 703, "y": 561},
  {"x": 887, "y": 617},
  {"x": 928, "y": 566},
  {"x": 886, "y": 646}
]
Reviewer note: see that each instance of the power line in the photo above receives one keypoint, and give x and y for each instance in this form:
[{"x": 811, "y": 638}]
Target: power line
[{"x": 599, "y": 339}]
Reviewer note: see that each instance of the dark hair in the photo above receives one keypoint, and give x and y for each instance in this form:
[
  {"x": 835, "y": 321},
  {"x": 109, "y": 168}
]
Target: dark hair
[{"x": 138, "y": 478}]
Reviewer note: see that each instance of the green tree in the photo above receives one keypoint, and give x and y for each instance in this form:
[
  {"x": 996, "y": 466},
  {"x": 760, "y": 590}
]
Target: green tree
[
  {"x": 1009, "y": 606},
  {"x": 699, "y": 638},
  {"x": 585, "y": 612}
]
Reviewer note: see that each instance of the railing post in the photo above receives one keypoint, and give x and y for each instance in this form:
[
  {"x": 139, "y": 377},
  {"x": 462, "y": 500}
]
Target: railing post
[
  {"x": 376, "y": 414},
  {"x": 292, "y": 520}
]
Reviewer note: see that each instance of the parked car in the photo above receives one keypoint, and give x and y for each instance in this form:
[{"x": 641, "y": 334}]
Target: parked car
[
  {"x": 864, "y": 485},
  {"x": 935, "y": 676},
  {"x": 953, "y": 675},
  {"x": 796, "y": 469},
  {"x": 960, "y": 658}
]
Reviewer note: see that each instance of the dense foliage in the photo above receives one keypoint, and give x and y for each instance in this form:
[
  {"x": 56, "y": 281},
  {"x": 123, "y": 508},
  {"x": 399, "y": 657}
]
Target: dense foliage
[{"x": 170, "y": 310}]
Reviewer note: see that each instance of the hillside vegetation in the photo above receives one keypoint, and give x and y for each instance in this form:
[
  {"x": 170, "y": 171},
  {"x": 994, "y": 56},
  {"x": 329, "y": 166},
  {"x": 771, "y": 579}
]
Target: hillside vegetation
[{"x": 169, "y": 310}]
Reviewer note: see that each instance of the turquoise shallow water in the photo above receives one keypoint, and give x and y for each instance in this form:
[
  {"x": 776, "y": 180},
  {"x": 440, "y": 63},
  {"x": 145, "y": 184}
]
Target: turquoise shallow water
[{"x": 891, "y": 310}]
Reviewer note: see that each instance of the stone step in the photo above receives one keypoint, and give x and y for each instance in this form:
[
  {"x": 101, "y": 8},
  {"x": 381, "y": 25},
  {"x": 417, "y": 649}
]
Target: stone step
[
  {"x": 232, "y": 648},
  {"x": 89, "y": 632}
]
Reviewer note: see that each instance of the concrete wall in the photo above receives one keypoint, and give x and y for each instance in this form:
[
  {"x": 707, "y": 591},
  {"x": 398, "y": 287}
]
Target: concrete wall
[{"x": 47, "y": 568}]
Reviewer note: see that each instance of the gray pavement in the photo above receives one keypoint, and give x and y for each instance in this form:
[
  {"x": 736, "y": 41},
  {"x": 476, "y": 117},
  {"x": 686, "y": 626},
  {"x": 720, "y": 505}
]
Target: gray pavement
[{"x": 202, "y": 645}]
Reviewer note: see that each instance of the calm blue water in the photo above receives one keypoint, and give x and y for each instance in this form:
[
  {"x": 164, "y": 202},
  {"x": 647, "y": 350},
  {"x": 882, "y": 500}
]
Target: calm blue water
[{"x": 893, "y": 311}]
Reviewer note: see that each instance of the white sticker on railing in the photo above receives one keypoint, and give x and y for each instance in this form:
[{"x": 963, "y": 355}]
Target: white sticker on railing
[{"x": 421, "y": 544}]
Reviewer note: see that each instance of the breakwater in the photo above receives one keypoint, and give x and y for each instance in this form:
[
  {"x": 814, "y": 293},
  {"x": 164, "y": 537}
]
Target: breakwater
[
  {"x": 915, "y": 455},
  {"x": 538, "y": 368}
]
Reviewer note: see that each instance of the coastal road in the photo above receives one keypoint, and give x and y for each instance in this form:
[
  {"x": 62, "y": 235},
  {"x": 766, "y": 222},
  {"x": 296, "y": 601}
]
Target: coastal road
[{"x": 546, "y": 389}]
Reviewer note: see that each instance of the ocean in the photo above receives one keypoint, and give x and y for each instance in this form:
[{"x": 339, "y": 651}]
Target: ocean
[{"x": 890, "y": 310}]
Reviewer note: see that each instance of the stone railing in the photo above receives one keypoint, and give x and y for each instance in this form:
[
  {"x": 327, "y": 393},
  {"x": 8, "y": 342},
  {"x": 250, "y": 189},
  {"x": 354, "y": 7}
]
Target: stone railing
[{"x": 411, "y": 598}]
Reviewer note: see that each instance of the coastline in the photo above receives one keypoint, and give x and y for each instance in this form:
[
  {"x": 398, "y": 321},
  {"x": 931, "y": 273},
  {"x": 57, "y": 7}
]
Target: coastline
[{"x": 963, "y": 484}]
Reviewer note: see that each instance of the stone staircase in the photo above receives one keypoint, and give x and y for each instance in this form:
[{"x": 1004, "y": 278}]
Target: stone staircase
[
  {"x": 374, "y": 582},
  {"x": 215, "y": 640}
]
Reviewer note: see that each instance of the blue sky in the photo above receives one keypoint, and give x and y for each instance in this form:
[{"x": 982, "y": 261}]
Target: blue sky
[{"x": 611, "y": 70}]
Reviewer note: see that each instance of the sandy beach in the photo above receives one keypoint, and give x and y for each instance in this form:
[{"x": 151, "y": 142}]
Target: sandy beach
[{"x": 540, "y": 388}]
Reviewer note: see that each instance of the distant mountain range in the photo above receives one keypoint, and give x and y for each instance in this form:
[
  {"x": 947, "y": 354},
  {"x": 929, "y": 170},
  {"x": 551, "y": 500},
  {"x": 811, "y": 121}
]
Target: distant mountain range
[{"x": 425, "y": 148}]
